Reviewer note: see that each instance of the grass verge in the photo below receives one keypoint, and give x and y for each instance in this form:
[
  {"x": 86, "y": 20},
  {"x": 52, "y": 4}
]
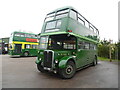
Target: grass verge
[{"x": 106, "y": 59}]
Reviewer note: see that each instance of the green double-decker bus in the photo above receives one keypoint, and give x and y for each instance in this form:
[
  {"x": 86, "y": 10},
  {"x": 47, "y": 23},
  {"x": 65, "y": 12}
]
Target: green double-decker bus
[
  {"x": 23, "y": 44},
  {"x": 68, "y": 42}
]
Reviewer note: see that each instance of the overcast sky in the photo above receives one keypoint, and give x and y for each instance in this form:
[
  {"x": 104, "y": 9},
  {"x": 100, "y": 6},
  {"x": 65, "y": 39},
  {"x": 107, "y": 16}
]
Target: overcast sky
[{"x": 28, "y": 15}]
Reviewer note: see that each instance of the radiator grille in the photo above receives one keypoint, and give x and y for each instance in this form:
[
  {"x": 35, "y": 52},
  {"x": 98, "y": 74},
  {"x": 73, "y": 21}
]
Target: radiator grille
[{"x": 48, "y": 59}]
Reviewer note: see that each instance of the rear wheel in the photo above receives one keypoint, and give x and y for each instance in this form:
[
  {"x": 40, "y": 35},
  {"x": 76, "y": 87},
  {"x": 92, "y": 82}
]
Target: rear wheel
[
  {"x": 26, "y": 54},
  {"x": 95, "y": 61},
  {"x": 68, "y": 71}
]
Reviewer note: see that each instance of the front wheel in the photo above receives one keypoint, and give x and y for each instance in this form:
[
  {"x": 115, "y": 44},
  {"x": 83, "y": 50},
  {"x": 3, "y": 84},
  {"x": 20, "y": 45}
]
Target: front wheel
[
  {"x": 40, "y": 68},
  {"x": 69, "y": 71}
]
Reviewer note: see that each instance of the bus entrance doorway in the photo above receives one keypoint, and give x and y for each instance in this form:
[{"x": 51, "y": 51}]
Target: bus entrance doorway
[{"x": 18, "y": 48}]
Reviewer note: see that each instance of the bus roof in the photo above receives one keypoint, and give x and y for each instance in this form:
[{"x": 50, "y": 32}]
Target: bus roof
[
  {"x": 24, "y": 32},
  {"x": 70, "y": 7},
  {"x": 62, "y": 8}
]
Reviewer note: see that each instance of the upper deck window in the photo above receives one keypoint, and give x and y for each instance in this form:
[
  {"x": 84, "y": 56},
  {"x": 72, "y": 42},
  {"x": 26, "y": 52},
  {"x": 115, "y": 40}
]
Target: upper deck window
[
  {"x": 53, "y": 26},
  {"x": 50, "y": 16},
  {"x": 62, "y": 13},
  {"x": 25, "y": 35},
  {"x": 81, "y": 19},
  {"x": 59, "y": 14},
  {"x": 73, "y": 14},
  {"x": 58, "y": 24},
  {"x": 87, "y": 24}
]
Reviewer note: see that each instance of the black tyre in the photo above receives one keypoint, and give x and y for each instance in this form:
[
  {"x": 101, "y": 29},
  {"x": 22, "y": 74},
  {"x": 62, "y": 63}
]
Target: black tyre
[
  {"x": 40, "y": 68},
  {"x": 69, "y": 71},
  {"x": 95, "y": 61},
  {"x": 26, "y": 54}
]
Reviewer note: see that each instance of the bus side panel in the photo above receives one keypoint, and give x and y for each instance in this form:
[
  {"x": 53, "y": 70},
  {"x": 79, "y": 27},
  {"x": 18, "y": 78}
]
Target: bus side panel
[
  {"x": 85, "y": 57},
  {"x": 81, "y": 58},
  {"x": 79, "y": 28},
  {"x": 32, "y": 52},
  {"x": 92, "y": 56}
]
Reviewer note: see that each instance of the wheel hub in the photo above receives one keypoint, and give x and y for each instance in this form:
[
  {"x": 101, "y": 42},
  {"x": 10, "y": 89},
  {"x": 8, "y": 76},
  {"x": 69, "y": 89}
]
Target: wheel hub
[{"x": 69, "y": 69}]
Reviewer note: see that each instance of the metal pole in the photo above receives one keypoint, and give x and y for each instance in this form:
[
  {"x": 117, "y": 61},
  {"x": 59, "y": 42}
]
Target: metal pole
[
  {"x": 110, "y": 53},
  {"x": 110, "y": 50}
]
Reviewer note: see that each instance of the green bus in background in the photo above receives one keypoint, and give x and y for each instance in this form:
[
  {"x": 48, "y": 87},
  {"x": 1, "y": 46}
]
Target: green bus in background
[
  {"x": 23, "y": 44},
  {"x": 68, "y": 42}
]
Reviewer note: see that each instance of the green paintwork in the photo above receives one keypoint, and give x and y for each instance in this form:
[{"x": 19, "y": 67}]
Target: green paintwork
[
  {"x": 81, "y": 57},
  {"x": 70, "y": 24},
  {"x": 80, "y": 36},
  {"x": 32, "y": 52},
  {"x": 37, "y": 61},
  {"x": 64, "y": 60}
]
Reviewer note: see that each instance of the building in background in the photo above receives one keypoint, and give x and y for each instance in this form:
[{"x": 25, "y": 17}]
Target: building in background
[{"x": 4, "y": 43}]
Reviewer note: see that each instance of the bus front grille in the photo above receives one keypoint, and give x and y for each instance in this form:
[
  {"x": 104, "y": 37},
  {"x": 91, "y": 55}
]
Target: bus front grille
[{"x": 48, "y": 58}]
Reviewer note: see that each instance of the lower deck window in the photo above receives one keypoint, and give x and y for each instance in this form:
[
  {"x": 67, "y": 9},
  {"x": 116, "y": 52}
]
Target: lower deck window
[
  {"x": 27, "y": 46},
  {"x": 86, "y": 45},
  {"x": 34, "y": 46}
]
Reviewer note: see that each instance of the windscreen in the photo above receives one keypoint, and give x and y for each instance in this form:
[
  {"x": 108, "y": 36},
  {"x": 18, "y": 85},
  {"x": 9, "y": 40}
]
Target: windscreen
[
  {"x": 57, "y": 42},
  {"x": 43, "y": 42},
  {"x": 61, "y": 42}
]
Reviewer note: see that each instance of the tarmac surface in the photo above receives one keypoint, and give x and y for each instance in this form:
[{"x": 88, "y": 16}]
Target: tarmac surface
[{"x": 21, "y": 72}]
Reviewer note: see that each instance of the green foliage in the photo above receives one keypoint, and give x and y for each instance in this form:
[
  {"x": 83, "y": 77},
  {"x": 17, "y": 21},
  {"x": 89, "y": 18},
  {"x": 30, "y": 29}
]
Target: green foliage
[
  {"x": 106, "y": 59},
  {"x": 118, "y": 48},
  {"x": 104, "y": 49}
]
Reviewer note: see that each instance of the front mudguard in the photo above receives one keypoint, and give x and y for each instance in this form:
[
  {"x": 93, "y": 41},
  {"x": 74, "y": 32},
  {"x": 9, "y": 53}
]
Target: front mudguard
[
  {"x": 37, "y": 61},
  {"x": 64, "y": 60}
]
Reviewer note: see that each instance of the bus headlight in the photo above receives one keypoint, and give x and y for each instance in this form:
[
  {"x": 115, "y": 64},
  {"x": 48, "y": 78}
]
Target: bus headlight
[
  {"x": 56, "y": 61},
  {"x": 40, "y": 59}
]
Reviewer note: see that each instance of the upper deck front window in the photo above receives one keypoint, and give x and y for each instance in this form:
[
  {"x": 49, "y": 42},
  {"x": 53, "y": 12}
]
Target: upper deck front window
[
  {"x": 53, "y": 26},
  {"x": 62, "y": 13},
  {"x": 56, "y": 15},
  {"x": 50, "y": 16}
]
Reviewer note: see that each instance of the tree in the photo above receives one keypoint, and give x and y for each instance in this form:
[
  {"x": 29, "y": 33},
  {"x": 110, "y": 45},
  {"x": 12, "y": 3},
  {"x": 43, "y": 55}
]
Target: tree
[
  {"x": 103, "y": 48},
  {"x": 109, "y": 50},
  {"x": 118, "y": 49}
]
